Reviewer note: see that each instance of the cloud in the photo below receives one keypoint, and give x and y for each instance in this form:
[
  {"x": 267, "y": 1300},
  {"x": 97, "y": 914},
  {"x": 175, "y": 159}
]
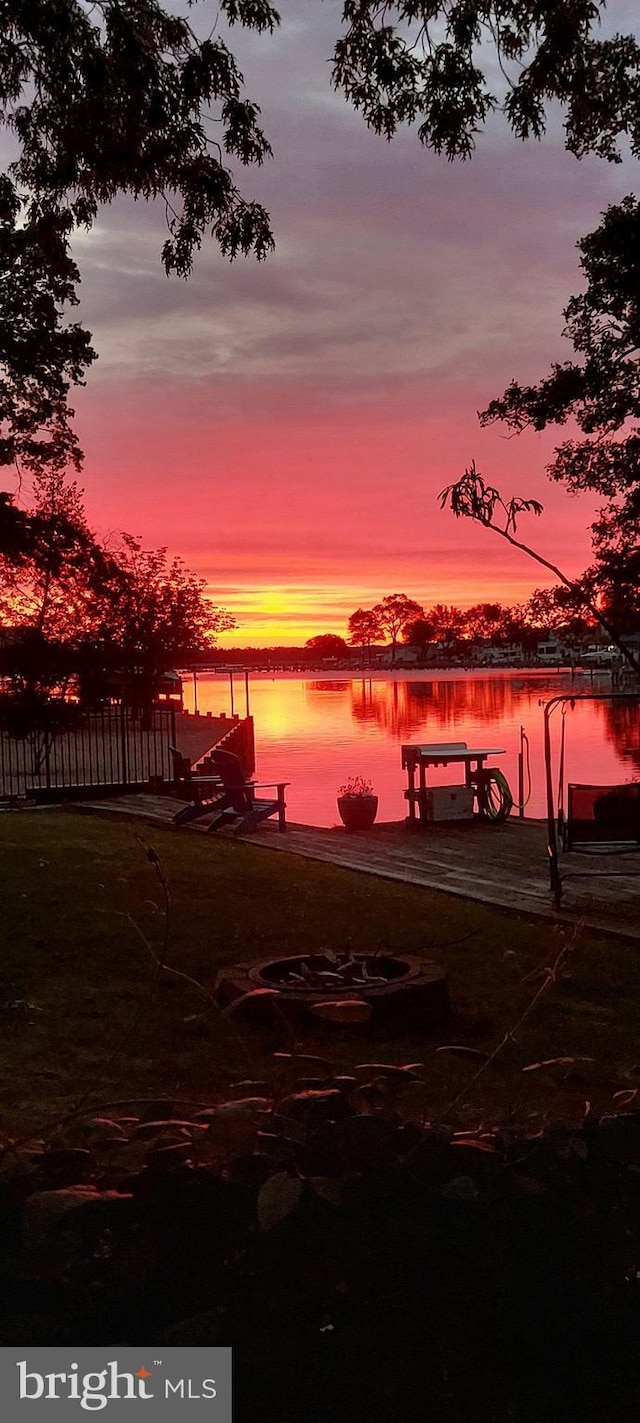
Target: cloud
[{"x": 292, "y": 422}]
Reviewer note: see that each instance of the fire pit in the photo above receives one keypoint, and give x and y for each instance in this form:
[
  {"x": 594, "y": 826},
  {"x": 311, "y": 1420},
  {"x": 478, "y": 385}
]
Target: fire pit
[{"x": 397, "y": 989}]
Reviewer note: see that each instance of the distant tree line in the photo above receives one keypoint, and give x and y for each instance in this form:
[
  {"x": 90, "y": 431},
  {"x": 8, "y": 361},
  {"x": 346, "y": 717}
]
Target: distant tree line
[
  {"x": 399, "y": 618},
  {"x": 79, "y": 615},
  {"x": 400, "y": 621}
]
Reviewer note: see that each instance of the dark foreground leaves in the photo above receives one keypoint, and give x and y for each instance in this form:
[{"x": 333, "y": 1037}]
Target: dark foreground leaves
[{"x": 361, "y": 1268}]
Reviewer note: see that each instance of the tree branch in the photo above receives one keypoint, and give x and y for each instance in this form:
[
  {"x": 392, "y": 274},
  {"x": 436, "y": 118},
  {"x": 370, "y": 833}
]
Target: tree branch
[{"x": 471, "y": 498}]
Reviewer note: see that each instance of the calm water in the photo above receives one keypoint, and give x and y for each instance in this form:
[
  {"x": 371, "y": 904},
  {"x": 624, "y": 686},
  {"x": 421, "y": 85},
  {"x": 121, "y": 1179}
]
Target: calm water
[{"x": 316, "y": 733}]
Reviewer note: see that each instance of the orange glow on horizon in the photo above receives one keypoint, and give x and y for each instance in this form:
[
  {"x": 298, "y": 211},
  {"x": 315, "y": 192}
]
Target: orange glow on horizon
[
  {"x": 281, "y": 616},
  {"x": 294, "y": 522}
]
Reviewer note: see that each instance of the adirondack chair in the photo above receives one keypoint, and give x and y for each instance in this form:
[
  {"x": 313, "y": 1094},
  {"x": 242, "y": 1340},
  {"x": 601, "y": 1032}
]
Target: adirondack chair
[
  {"x": 240, "y": 797},
  {"x": 204, "y": 795},
  {"x": 602, "y": 819}
]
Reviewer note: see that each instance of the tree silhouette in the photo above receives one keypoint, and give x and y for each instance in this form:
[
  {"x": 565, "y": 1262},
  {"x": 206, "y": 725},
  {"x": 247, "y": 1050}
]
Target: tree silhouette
[
  {"x": 41, "y": 355},
  {"x": 393, "y": 614},
  {"x": 151, "y": 617},
  {"x": 420, "y": 632},
  {"x": 71, "y": 607},
  {"x": 426, "y": 62},
  {"x": 485, "y": 621},
  {"x": 450, "y": 625},
  {"x": 328, "y": 644},
  {"x": 559, "y": 610},
  {"x": 472, "y": 498},
  {"x": 601, "y": 392},
  {"x": 51, "y": 570},
  {"x": 113, "y": 98},
  {"x": 364, "y": 629}
]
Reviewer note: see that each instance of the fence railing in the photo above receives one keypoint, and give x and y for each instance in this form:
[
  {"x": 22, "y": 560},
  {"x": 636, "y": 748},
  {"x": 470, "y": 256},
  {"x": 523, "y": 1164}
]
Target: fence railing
[{"x": 72, "y": 750}]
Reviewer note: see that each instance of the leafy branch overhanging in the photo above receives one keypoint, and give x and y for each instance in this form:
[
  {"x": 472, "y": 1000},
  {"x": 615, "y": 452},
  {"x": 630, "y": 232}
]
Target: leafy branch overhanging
[{"x": 471, "y": 497}]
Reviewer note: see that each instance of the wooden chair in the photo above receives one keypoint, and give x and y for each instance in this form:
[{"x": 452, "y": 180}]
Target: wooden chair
[
  {"x": 204, "y": 795},
  {"x": 602, "y": 819},
  {"x": 240, "y": 797},
  {"x": 225, "y": 797}
]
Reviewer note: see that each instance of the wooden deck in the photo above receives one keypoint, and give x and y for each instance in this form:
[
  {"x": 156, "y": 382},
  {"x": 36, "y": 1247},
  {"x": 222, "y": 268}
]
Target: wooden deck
[{"x": 504, "y": 865}]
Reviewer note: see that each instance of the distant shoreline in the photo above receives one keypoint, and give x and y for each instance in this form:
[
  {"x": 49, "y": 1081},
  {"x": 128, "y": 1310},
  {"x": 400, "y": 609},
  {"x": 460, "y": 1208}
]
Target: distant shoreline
[{"x": 416, "y": 674}]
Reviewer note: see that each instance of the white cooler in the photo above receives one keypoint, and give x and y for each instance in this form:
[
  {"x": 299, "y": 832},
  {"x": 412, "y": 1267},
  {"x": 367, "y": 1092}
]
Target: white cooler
[{"x": 448, "y": 803}]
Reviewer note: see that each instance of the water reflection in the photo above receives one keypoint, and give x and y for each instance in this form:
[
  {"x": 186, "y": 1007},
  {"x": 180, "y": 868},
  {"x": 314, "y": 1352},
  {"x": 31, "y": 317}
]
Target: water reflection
[
  {"x": 318, "y": 733},
  {"x": 405, "y": 708},
  {"x": 400, "y": 709},
  {"x": 622, "y": 729}
]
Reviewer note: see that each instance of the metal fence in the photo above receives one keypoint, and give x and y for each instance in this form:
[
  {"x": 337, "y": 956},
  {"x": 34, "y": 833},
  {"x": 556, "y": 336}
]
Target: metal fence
[{"x": 78, "y": 751}]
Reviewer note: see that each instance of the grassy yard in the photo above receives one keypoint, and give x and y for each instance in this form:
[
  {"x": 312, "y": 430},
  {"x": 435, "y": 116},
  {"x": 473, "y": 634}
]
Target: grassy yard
[{"x": 79, "y": 895}]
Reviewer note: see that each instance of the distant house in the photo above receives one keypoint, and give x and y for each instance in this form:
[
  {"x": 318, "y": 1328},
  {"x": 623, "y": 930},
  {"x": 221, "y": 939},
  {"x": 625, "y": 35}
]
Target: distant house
[
  {"x": 506, "y": 656},
  {"x": 405, "y": 656},
  {"x": 552, "y": 651}
]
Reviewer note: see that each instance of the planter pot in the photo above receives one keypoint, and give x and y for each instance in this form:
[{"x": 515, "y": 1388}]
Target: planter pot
[{"x": 357, "y": 812}]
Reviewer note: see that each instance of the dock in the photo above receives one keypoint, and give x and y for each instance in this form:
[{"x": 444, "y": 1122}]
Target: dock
[{"x": 504, "y": 865}]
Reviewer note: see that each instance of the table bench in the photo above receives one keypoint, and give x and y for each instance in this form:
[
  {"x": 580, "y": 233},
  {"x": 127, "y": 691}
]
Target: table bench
[{"x": 418, "y": 760}]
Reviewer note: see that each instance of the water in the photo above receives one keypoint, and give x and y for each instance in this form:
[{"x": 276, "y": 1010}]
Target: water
[{"x": 316, "y": 733}]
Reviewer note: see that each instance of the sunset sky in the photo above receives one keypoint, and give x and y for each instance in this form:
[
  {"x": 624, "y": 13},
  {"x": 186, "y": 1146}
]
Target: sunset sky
[{"x": 286, "y": 427}]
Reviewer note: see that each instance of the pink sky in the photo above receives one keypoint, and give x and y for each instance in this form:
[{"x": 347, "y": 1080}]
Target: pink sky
[{"x": 286, "y": 427}]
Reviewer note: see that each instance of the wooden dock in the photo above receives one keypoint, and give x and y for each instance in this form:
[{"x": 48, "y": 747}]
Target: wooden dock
[{"x": 502, "y": 865}]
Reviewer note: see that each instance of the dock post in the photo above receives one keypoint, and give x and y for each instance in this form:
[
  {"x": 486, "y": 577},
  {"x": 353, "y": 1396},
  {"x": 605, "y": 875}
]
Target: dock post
[
  {"x": 521, "y": 775},
  {"x": 555, "y": 876}
]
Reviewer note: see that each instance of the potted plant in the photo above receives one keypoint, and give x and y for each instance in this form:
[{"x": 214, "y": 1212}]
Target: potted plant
[{"x": 357, "y": 805}]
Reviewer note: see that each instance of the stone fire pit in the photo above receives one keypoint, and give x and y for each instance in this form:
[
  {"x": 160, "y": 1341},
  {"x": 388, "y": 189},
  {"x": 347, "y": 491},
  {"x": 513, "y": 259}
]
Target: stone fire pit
[{"x": 398, "y": 988}]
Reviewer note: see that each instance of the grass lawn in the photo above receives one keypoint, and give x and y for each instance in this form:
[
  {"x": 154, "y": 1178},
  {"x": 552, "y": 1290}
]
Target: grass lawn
[{"x": 78, "y": 893}]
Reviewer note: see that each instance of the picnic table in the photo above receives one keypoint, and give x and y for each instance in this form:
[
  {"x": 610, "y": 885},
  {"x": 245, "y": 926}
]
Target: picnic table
[{"x": 418, "y": 760}]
